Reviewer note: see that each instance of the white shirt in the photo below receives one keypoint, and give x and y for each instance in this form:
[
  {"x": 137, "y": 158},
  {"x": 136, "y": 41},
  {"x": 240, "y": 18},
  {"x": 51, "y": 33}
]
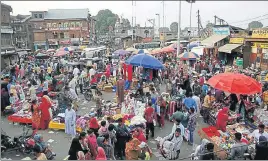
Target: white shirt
[
  {"x": 72, "y": 84},
  {"x": 92, "y": 72},
  {"x": 197, "y": 101},
  {"x": 175, "y": 126},
  {"x": 45, "y": 88},
  {"x": 76, "y": 71},
  {"x": 72, "y": 94},
  {"x": 256, "y": 135}
]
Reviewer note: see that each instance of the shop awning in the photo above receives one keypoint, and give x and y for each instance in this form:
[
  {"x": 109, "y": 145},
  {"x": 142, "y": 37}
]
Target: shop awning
[
  {"x": 227, "y": 48},
  {"x": 210, "y": 41}
]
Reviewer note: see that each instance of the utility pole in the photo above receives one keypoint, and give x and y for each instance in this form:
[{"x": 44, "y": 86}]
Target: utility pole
[
  {"x": 132, "y": 33},
  {"x": 215, "y": 20},
  {"x": 198, "y": 23},
  {"x": 179, "y": 30},
  {"x": 163, "y": 13}
]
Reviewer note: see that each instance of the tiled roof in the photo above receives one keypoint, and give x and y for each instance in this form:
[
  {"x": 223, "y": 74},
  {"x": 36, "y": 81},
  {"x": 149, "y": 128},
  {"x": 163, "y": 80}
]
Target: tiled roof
[{"x": 61, "y": 14}]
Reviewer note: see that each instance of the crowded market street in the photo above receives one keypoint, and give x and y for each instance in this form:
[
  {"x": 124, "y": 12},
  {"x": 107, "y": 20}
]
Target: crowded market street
[{"x": 61, "y": 141}]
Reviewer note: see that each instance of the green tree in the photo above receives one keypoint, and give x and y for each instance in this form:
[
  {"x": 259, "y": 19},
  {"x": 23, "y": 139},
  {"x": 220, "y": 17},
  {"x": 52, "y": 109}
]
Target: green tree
[
  {"x": 174, "y": 27},
  {"x": 104, "y": 19},
  {"x": 255, "y": 24}
]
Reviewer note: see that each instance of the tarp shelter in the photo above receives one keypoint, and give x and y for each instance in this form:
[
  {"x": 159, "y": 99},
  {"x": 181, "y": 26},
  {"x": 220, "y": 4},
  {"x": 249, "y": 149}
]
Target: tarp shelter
[
  {"x": 198, "y": 50},
  {"x": 210, "y": 41},
  {"x": 227, "y": 48}
]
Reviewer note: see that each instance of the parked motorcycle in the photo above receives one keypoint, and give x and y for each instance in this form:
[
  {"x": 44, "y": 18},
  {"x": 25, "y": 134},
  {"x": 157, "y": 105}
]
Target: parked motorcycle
[{"x": 89, "y": 92}]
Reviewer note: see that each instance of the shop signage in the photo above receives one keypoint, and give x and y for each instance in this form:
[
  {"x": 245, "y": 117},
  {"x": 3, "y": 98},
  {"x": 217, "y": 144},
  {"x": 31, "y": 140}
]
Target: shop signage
[
  {"x": 260, "y": 33},
  {"x": 64, "y": 26},
  {"x": 65, "y": 42},
  {"x": 221, "y": 30},
  {"x": 260, "y": 45},
  {"x": 52, "y": 42},
  {"x": 236, "y": 40},
  {"x": 39, "y": 43}
]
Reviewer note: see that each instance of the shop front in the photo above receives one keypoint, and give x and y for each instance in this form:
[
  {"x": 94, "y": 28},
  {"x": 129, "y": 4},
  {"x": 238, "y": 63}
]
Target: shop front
[
  {"x": 212, "y": 43},
  {"x": 231, "y": 51},
  {"x": 40, "y": 45},
  {"x": 64, "y": 43},
  {"x": 259, "y": 48},
  {"x": 8, "y": 56},
  {"x": 53, "y": 44}
]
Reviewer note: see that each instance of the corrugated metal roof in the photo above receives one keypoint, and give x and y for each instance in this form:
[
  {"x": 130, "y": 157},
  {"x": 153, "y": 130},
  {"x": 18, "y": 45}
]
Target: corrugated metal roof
[
  {"x": 227, "y": 48},
  {"x": 210, "y": 41},
  {"x": 62, "y": 14}
]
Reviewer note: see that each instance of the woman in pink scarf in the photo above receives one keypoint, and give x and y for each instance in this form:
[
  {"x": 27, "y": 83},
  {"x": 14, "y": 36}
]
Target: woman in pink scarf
[
  {"x": 92, "y": 143},
  {"x": 103, "y": 129},
  {"x": 101, "y": 154}
]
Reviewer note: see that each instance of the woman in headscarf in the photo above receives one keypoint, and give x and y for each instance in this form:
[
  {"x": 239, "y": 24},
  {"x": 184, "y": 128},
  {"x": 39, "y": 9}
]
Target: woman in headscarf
[
  {"x": 35, "y": 115},
  {"x": 4, "y": 99},
  {"x": 92, "y": 143},
  {"x": 132, "y": 149},
  {"x": 262, "y": 149},
  {"x": 45, "y": 114},
  {"x": 77, "y": 145},
  {"x": 138, "y": 133},
  {"x": 222, "y": 119},
  {"x": 101, "y": 154},
  {"x": 94, "y": 125}
]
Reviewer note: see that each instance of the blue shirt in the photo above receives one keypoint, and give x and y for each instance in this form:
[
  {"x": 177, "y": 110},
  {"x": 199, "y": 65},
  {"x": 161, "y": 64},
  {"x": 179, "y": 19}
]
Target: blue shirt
[
  {"x": 8, "y": 87},
  {"x": 205, "y": 89},
  {"x": 190, "y": 102}
]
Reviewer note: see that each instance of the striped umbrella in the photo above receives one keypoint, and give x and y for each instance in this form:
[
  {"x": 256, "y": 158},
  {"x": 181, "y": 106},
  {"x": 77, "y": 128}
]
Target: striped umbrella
[{"x": 188, "y": 56}]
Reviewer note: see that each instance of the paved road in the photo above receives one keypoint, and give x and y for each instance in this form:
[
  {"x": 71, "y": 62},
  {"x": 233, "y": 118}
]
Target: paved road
[{"x": 61, "y": 141}]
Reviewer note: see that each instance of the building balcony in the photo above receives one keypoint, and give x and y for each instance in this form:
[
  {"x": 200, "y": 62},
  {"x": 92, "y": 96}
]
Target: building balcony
[{"x": 6, "y": 30}]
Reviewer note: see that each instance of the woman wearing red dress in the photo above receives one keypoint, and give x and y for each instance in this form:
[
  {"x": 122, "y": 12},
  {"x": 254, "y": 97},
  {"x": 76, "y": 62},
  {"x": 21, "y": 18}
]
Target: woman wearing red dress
[{"x": 45, "y": 114}]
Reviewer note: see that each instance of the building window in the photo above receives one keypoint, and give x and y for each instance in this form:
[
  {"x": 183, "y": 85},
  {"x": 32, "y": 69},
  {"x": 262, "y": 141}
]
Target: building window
[
  {"x": 72, "y": 36},
  {"x": 35, "y": 16},
  {"x": 40, "y": 16},
  {"x": 55, "y": 35},
  {"x": 123, "y": 31},
  {"x": 62, "y": 35}
]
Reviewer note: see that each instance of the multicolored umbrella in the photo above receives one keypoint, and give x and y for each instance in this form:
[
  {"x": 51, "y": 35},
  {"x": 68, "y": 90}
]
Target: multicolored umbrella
[
  {"x": 168, "y": 49},
  {"x": 235, "y": 83},
  {"x": 51, "y": 50},
  {"x": 188, "y": 56},
  {"x": 121, "y": 52},
  {"x": 61, "y": 53}
]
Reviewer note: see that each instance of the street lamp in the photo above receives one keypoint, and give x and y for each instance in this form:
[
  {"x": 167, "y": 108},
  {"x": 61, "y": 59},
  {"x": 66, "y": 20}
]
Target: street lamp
[
  {"x": 157, "y": 14},
  {"x": 189, "y": 32}
]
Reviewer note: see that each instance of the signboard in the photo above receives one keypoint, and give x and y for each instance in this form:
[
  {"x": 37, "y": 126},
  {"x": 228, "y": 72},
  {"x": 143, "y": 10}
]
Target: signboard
[
  {"x": 162, "y": 36},
  {"x": 265, "y": 56},
  {"x": 260, "y": 33},
  {"x": 64, "y": 26},
  {"x": 260, "y": 45},
  {"x": 6, "y": 30},
  {"x": 236, "y": 40},
  {"x": 221, "y": 30}
]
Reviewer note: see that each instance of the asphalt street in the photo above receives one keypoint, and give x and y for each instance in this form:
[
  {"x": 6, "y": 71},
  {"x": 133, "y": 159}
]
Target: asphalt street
[{"x": 59, "y": 142}]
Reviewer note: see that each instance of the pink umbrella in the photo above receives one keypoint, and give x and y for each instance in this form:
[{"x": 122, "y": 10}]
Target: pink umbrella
[
  {"x": 60, "y": 53},
  {"x": 51, "y": 50}
]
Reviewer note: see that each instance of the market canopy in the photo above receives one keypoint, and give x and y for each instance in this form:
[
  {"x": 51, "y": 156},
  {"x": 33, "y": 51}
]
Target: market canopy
[
  {"x": 168, "y": 49},
  {"x": 188, "y": 56},
  {"x": 235, "y": 83},
  {"x": 132, "y": 49},
  {"x": 227, "y": 48},
  {"x": 145, "y": 60},
  {"x": 210, "y": 41},
  {"x": 60, "y": 53},
  {"x": 41, "y": 56}
]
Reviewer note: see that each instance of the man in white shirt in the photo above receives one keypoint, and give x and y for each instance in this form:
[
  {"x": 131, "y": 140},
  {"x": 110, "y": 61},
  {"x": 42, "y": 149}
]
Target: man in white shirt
[
  {"x": 76, "y": 71},
  {"x": 177, "y": 124},
  {"x": 73, "y": 96},
  {"x": 197, "y": 101},
  {"x": 72, "y": 83},
  {"x": 255, "y": 135},
  {"x": 92, "y": 72}
]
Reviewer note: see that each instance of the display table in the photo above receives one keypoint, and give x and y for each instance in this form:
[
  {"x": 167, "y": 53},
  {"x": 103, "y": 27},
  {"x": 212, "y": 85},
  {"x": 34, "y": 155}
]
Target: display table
[
  {"x": 19, "y": 119},
  {"x": 208, "y": 133},
  {"x": 60, "y": 126}
]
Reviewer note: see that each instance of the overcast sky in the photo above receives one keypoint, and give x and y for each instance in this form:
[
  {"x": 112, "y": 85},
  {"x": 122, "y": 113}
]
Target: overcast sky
[{"x": 230, "y": 11}]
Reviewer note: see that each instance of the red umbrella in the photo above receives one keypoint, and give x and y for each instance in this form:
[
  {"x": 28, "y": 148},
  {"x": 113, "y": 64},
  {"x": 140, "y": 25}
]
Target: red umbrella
[
  {"x": 168, "y": 50},
  {"x": 60, "y": 53},
  {"x": 235, "y": 83}
]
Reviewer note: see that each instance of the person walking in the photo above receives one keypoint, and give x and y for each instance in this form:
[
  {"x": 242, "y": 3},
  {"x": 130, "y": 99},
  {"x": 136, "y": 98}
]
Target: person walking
[
  {"x": 81, "y": 82},
  {"x": 45, "y": 114},
  {"x": 238, "y": 149},
  {"x": 70, "y": 122},
  {"x": 192, "y": 125},
  {"x": 149, "y": 116}
]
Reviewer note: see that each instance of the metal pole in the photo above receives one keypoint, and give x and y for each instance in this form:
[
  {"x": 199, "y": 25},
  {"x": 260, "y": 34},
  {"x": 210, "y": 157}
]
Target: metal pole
[
  {"x": 188, "y": 48},
  {"x": 132, "y": 23},
  {"x": 163, "y": 14},
  {"x": 179, "y": 30}
]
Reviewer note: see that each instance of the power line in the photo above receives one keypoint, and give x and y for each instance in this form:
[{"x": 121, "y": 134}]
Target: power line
[
  {"x": 248, "y": 23},
  {"x": 250, "y": 18}
]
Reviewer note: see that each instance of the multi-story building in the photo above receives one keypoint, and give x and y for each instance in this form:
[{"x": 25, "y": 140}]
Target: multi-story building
[
  {"x": 23, "y": 36},
  {"x": 8, "y": 52},
  {"x": 62, "y": 27}
]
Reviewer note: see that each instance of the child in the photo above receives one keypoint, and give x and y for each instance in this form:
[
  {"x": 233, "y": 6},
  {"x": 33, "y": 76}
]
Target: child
[{"x": 146, "y": 153}]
